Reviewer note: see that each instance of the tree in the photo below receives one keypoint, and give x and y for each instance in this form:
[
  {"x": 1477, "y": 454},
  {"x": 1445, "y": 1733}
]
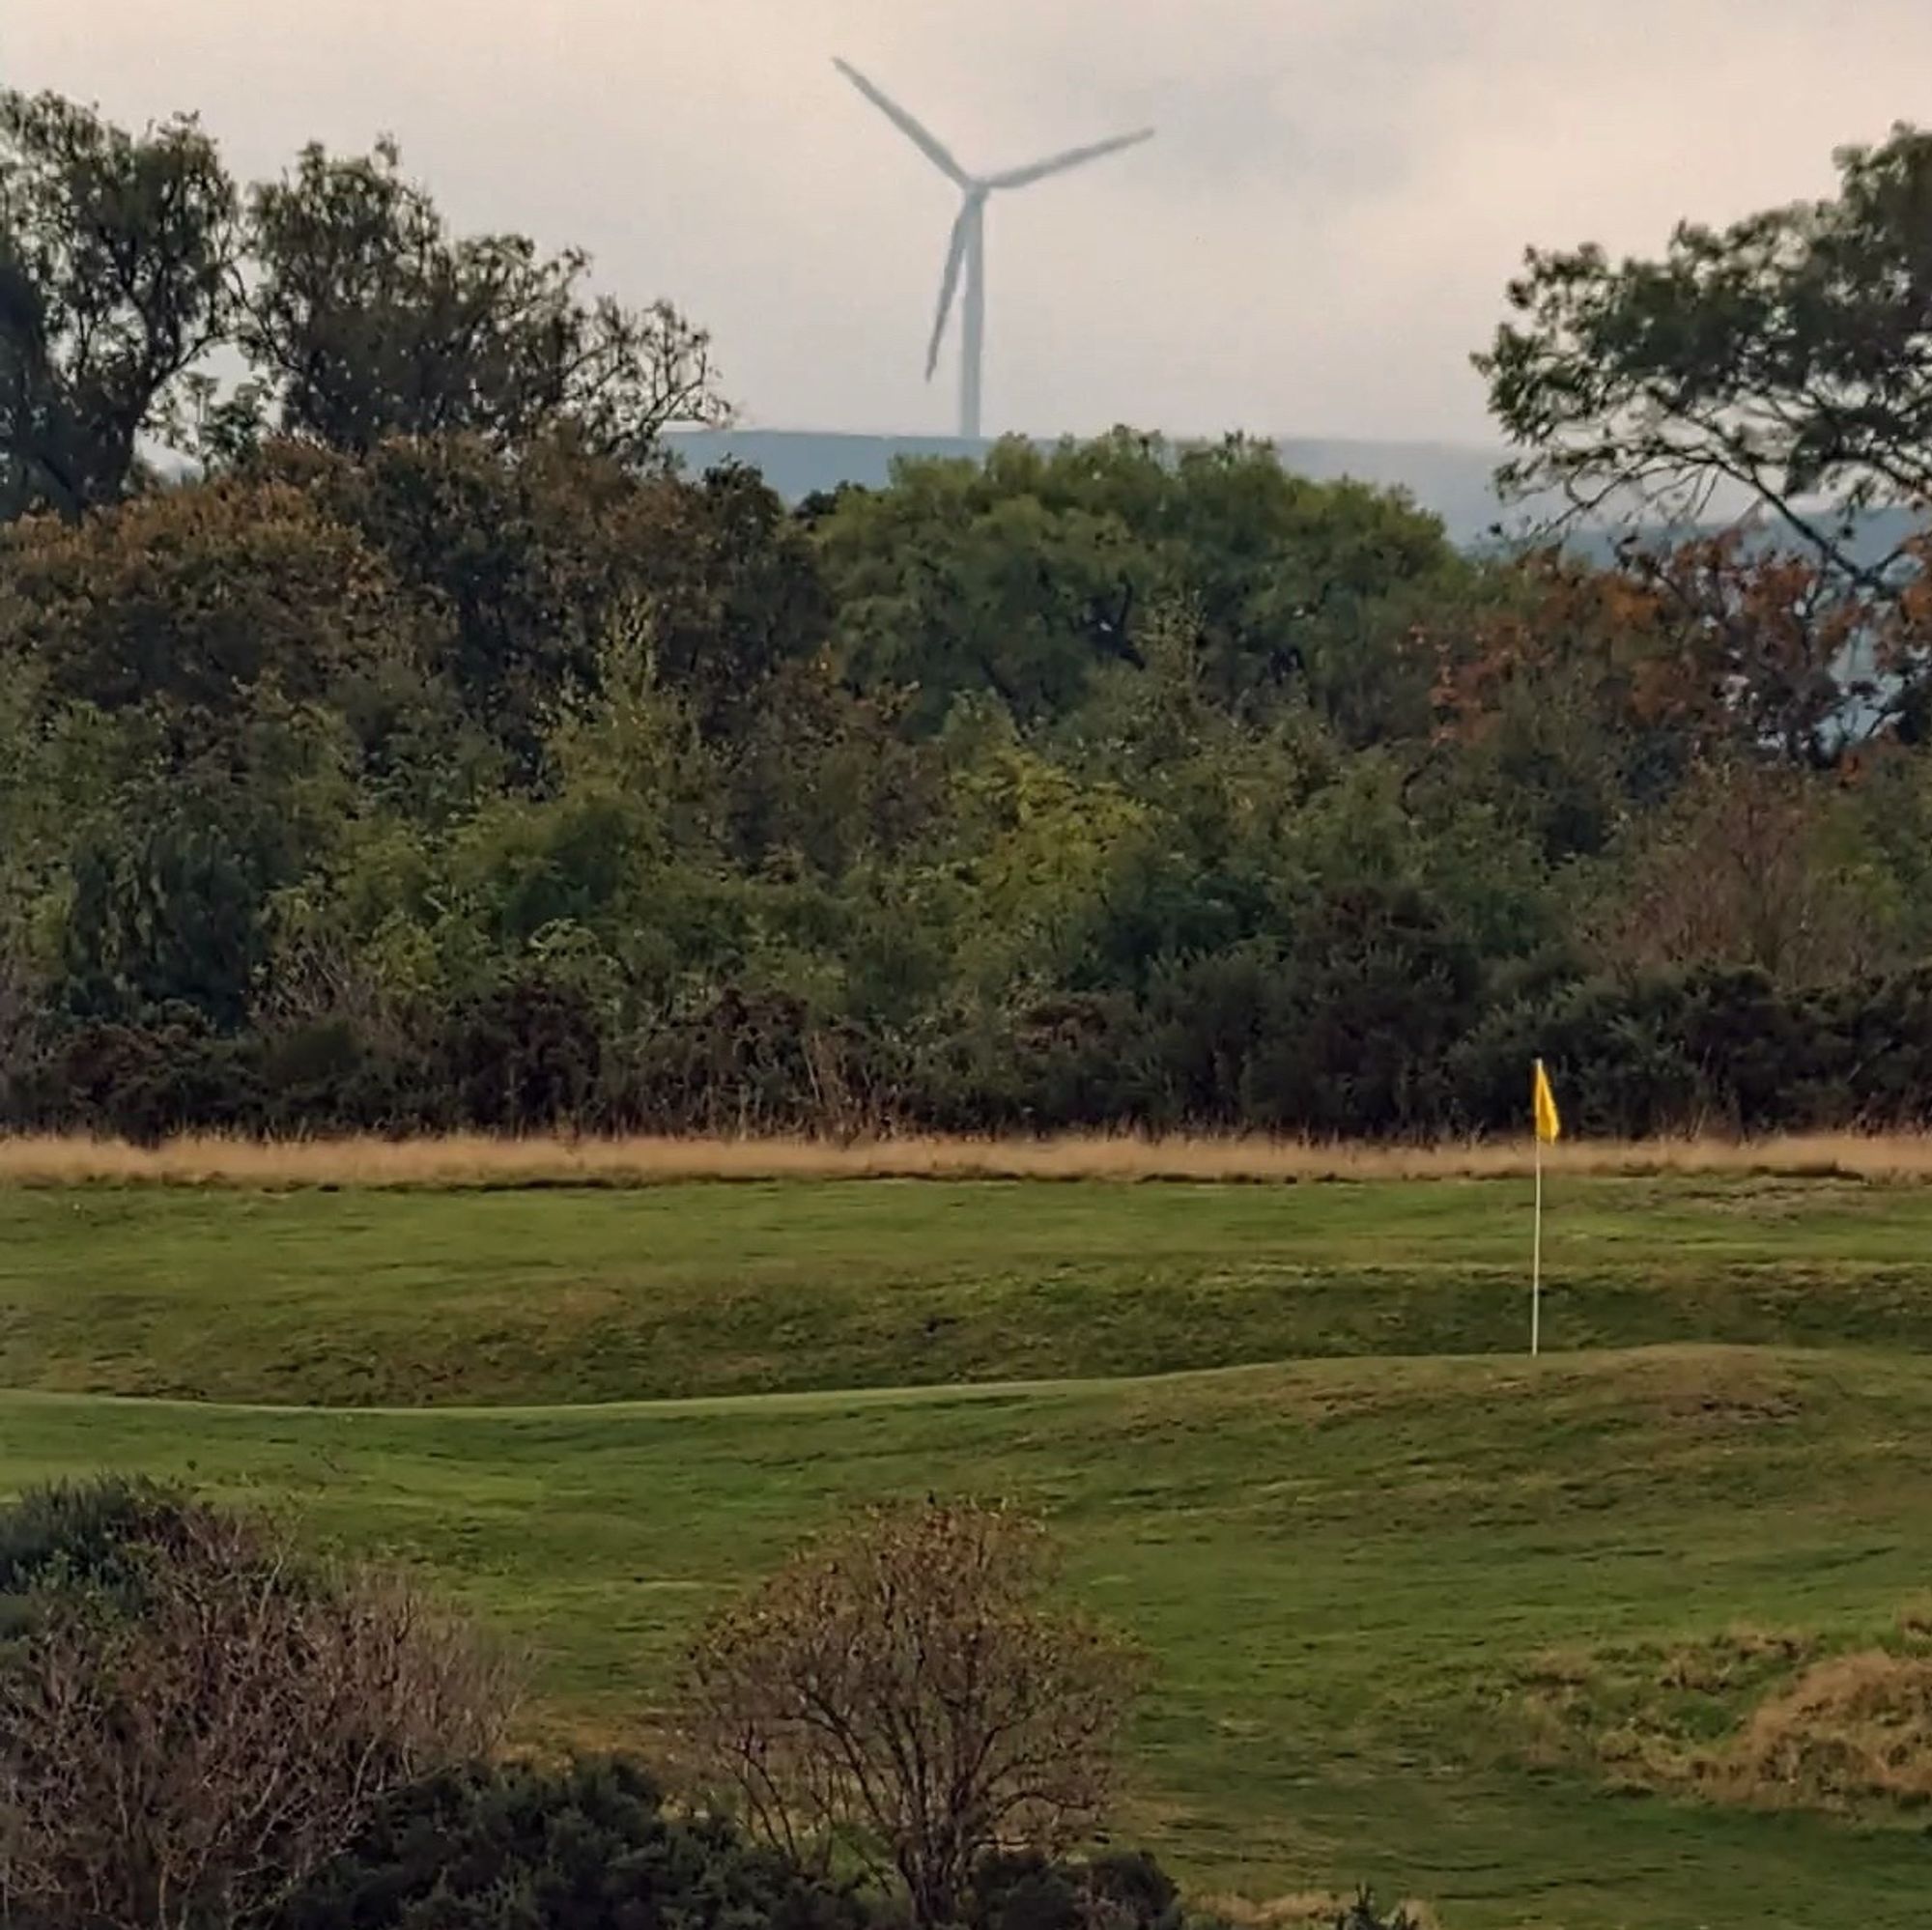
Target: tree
[
  {"x": 216, "y": 666},
  {"x": 522, "y": 567},
  {"x": 201, "y": 598},
  {"x": 1786, "y": 359},
  {"x": 906, "y": 1693},
  {"x": 1752, "y": 867},
  {"x": 1304, "y": 589},
  {"x": 967, "y": 579},
  {"x": 1031, "y": 573},
  {"x": 1592, "y": 691},
  {"x": 115, "y": 259},
  {"x": 364, "y": 317},
  {"x": 195, "y": 1718},
  {"x": 1035, "y": 856},
  {"x": 529, "y": 567},
  {"x": 732, "y": 590}
]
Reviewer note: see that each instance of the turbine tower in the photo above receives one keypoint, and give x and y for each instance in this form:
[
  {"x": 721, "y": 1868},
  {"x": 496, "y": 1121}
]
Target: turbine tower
[{"x": 966, "y": 253}]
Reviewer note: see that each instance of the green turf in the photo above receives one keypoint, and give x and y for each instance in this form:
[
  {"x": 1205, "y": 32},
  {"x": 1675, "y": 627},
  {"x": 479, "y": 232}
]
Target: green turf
[
  {"x": 1340, "y": 1567},
  {"x": 1345, "y": 1566},
  {"x": 406, "y": 1298}
]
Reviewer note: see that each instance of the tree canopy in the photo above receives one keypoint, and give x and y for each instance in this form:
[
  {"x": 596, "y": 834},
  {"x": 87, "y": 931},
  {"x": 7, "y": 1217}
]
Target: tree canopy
[
  {"x": 117, "y": 255},
  {"x": 362, "y": 317},
  {"x": 1784, "y": 360},
  {"x": 434, "y": 754},
  {"x": 137, "y": 277}
]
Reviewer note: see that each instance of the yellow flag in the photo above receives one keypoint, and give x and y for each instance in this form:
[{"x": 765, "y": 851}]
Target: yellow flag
[{"x": 1549, "y": 1125}]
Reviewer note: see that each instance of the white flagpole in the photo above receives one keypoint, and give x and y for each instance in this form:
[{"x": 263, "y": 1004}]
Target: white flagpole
[{"x": 1536, "y": 1262}]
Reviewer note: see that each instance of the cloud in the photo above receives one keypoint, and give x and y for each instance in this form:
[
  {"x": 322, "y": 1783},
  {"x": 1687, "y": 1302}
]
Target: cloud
[{"x": 1315, "y": 244}]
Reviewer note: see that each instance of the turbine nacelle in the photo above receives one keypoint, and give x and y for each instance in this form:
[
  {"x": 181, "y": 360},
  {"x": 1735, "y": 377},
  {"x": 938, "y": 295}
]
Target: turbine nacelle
[{"x": 965, "y": 251}]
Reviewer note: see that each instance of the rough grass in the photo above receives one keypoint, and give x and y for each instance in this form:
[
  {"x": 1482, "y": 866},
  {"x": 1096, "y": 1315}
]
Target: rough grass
[
  {"x": 1655, "y": 1717},
  {"x": 1335, "y": 1564},
  {"x": 1753, "y": 1716},
  {"x": 466, "y": 1159},
  {"x": 1852, "y": 1730}
]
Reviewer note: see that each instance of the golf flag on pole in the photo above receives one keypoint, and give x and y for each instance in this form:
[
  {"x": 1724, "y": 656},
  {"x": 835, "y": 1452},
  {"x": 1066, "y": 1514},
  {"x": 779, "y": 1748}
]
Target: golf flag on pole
[
  {"x": 1549, "y": 1124},
  {"x": 1549, "y": 1130}
]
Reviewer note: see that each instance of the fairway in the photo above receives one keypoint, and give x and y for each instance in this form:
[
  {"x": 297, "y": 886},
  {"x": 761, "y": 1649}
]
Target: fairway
[
  {"x": 1354, "y": 1533},
  {"x": 319, "y": 1298}
]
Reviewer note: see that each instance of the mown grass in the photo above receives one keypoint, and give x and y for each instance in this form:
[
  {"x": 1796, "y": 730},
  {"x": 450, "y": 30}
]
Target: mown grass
[
  {"x": 375, "y": 1296},
  {"x": 1423, "y": 1608},
  {"x": 1343, "y": 1569}
]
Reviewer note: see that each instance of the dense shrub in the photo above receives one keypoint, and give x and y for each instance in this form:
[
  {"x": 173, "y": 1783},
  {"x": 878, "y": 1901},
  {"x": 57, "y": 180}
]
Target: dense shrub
[
  {"x": 91, "y": 1536},
  {"x": 587, "y": 1848},
  {"x": 523, "y": 1057},
  {"x": 1249, "y": 1040},
  {"x": 142, "y": 1081},
  {"x": 1122, "y": 1890}
]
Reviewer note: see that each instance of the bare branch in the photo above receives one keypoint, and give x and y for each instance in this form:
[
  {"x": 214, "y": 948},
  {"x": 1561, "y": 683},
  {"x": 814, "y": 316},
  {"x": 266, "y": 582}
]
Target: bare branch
[
  {"x": 906, "y": 1694},
  {"x": 190, "y": 1755}
]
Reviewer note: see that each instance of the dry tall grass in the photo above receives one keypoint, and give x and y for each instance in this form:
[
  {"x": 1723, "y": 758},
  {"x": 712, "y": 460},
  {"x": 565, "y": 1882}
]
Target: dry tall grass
[
  {"x": 1857, "y": 1728},
  {"x": 458, "y": 1160}
]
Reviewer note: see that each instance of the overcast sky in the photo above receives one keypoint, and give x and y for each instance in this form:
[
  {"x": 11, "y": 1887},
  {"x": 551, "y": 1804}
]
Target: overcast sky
[{"x": 1313, "y": 245}]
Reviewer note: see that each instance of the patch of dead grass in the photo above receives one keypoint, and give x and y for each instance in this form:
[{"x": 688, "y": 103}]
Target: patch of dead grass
[
  {"x": 1705, "y": 1392},
  {"x": 1759, "y": 1718},
  {"x": 480, "y": 1160},
  {"x": 1304, "y": 1910},
  {"x": 1850, "y": 1731},
  {"x": 1650, "y": 1718}
]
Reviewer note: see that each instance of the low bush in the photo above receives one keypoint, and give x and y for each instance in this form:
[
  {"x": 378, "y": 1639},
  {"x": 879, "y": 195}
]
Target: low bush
[
  {"x": 194, "y": 1715},
  {"x": 591, "y": 1847},
  {"x": 95, "y": 1536},
  {"x": 1123, "y": 1891},
  {"x": 917, "y": 1634}
]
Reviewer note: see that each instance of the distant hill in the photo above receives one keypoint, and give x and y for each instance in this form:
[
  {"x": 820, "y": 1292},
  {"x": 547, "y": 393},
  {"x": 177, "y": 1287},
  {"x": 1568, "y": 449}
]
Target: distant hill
[{"x": 1454, "y": 482}]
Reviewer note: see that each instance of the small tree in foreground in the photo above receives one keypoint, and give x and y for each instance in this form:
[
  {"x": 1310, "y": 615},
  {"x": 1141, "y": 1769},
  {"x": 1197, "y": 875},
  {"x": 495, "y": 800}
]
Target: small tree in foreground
[
  {"x": 906, "y": 1693},
  {"x": 194, "y": 1717}
]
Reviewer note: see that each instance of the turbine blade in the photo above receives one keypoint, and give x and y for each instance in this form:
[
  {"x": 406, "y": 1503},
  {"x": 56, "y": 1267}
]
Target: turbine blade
[
  {"x": 928, "y": 144},
  {"x": 1025, "y": 176},
  {"x": 949, "y": 282}
]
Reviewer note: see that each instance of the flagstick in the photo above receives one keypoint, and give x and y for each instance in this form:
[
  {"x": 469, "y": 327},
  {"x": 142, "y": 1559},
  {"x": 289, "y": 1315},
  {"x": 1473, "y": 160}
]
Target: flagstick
[{"x": 1536, "y": 1262}]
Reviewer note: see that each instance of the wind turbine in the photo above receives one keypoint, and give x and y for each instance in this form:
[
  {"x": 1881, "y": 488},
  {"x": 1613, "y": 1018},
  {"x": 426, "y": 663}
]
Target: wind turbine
[{"x": 966, "y": 254}]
